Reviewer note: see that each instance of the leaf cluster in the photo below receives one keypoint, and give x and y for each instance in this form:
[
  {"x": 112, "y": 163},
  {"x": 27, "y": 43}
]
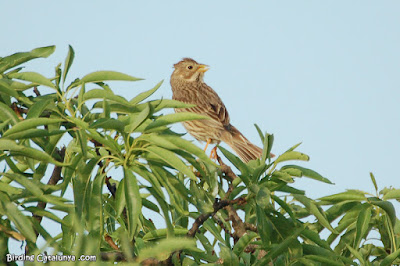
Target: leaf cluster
[{"x": 123, "y": 186}]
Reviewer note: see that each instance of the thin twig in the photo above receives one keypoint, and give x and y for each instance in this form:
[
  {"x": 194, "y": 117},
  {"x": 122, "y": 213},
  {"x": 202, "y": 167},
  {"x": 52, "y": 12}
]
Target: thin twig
[
  {"x": 226, "y": 170},
  {"x": 110, "y": 241},
  {"x": 250, "y": 227},
  {"x": 36, "y": 91},
  {"x": 55, "y": 177},
  {"x": 111, "y": 187}
]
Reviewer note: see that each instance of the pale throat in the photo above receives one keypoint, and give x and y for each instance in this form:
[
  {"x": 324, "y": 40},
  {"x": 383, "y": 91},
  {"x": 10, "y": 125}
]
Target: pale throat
[{"x": 196, "y": 77}]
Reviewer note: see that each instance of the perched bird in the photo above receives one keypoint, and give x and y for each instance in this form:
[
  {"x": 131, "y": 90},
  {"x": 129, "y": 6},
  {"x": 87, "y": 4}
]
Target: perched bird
[{"x": 188, "y": 86}]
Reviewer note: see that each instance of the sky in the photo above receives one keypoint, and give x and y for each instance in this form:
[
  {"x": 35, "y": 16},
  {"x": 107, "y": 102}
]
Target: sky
[{"x": 324, "y": 73}]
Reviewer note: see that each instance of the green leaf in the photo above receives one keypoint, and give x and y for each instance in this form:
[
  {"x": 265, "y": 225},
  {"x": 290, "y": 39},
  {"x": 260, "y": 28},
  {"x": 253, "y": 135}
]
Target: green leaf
[
  {"x": 31, "y": 123},
  {"x": 176, "y": 142},
  {"x": 44, "y": 213},
  {"x": 362, "y": 225},
  {"x": 162, "y": 233},
  {"x": 356, "y": 254},
  {"x": 68, "y": 62},
  {"x": 120, "y": 202},
  {"x": 150, "y": 205},
  {"x": 10, "y": 145},
  {"x": 165, "y": 247},
  {"x": 264, "y": 227},
  {"x": 107, "y": 75},
  {"x": 33, "y": 77},
  {"x": 144, "y": 95},
  {"x": 29, "y": 185},
  {"x": 96, "y": 220},
  {"x": 283, "y": 176},
  {"x": 392, "y": 194},
  {"x": 211, "y": 227},
  {"x": 263, "y": 197},
  {"x": 270, "y": 142},
  {"x": 228, "y": 257},
  {"x": 239, "y": 164},
  {"x": 390, "y": 258},
  {"x": 4, "y": 124},
  {"x": 280, "y": 248},
  {"x": 387, "y": 206},
  {"x": 243, "y": 242},
  {"x": 8, "y": 189},
  {"x": 19, "y": 58},
  {"x": 133, "y": 202},
  {"x": 292, "y": 155},
  {"x": 315, "y": 237},
  {"x": 373, "y": 181},
  {"x": 103, "y": 94},
  {"x": 170, "y": 158},
  {"x": 308, "y": 173},
  {"x": 6, "y": 113},
  {"x": 312, "y": 207},
  {"x": 139, "y": 119},
  {"x": 22, "y": 222},
  {"x": 324, "y": 260},
  {"x": 6, "y": 89},
  {"x": 260, "y": 133},
  {"x": 350, "y": 195},
  {"x": 37, "y": 108},
  {"x": 83, "y": 141},
  {"x": 284, "y": 205},
  {"x": 164, "y": 207},
  {"x": 108, "y": 123},
  {"x": 174, "y": 118}
]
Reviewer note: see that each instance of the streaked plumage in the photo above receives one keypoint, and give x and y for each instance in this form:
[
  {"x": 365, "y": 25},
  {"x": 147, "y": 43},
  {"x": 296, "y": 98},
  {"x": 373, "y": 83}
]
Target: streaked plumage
[{"x": 188, "y": 86}]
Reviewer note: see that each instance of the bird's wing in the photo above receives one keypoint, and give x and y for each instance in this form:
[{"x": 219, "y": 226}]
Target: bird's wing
[
  {"x": 212, "y": 105},
  {"x": 207, "y": 103}
]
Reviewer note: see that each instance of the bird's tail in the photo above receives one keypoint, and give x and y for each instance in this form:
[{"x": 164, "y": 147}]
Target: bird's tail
[{"x": 243, "y": 147}]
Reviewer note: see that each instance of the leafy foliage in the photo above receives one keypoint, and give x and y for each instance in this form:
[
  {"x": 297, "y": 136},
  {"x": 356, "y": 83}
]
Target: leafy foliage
[{"x": 114, "y": 169}]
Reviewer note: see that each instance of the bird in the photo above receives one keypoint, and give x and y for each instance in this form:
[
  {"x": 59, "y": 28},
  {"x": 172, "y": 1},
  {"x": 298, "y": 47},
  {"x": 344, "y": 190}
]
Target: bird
[{"x": 188, "y": 86}]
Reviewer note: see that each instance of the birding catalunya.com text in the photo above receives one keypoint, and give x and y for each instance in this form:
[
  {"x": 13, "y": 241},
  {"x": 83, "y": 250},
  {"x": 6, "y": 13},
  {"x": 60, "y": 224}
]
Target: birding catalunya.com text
[{"x": 48, "y": 258}]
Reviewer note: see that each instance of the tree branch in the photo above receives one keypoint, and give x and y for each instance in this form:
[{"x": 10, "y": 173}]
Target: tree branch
[{"x": 55, "y": 177}]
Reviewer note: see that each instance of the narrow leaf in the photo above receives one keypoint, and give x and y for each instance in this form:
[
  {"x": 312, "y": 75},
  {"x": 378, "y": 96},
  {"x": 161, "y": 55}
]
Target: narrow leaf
[
  {"x": 22, "y": 222},
  {"x": 133, "y": 202},
  {"x": 280, "y": 248},
  {"x": 31, "y": 123},
  {"x": 162, "y": 233},
  {"x": 387, "y": 206},
  {"x": 37, "y": 108},
  {"x": 174, "y": 118},
  {"x": 19, "y": 58},
  {"x": 170, "y": 158},
  {"x": 68, "y": 62},
  {"x": 362, "y": 225},
  {"x": 33, "y": 77},
  {"x": 312, "y": 207},
  {"x": 350, "y": 195},
  {"x": 243, "y": 242},
  {"x": 107, "y": 75},
  {"x": 390, "y": 258},
  {"x": 308, "y": 173},
  {"x": 292, "y": 155},
  {"x": 144, "y": 95},
  {"x": 10, "y": 145}
]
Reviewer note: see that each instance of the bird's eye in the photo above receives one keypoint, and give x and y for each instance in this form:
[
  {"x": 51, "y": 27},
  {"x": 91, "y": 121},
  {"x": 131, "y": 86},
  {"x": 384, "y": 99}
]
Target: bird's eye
[{"x": 189, "y": 67}]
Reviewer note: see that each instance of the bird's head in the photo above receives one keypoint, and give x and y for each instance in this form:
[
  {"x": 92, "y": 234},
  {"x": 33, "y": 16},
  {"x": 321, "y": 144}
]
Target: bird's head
[{"x": 189, "y": 70}]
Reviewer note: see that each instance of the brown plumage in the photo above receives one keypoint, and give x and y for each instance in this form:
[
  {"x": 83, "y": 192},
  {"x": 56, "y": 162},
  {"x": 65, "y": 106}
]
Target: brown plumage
[{"x": 188, "y": 86}]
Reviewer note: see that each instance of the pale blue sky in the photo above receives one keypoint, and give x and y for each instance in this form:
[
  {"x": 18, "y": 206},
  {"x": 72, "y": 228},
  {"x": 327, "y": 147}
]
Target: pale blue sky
[{"x": 325, "y": 73}]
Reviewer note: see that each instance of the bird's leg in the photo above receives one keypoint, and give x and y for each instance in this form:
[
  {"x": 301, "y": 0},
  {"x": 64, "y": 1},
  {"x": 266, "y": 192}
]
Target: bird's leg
[
  {"x": 208, "y": 143},
  {"x": 213, "y": 154}
]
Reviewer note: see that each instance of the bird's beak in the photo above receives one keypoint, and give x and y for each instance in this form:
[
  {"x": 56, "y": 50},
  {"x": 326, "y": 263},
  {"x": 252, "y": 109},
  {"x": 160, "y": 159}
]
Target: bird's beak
[{"x": 203, "y": 68}]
